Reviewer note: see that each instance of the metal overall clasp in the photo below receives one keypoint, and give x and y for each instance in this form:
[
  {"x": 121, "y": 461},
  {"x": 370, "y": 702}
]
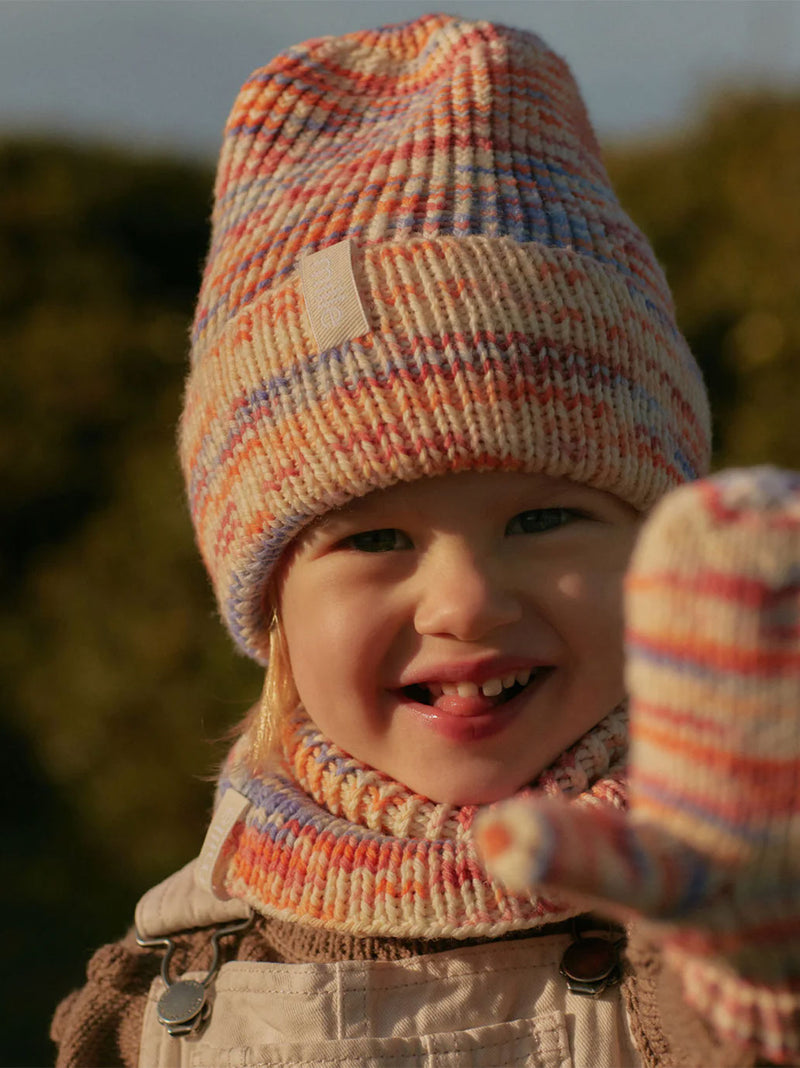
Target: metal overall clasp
[
  {"x": 592, "y": 961},
  {"x": 183, "y": 1007}
]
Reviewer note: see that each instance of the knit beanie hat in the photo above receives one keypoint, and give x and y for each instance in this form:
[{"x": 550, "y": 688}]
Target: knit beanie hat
[{"x": 418, "y": 266}]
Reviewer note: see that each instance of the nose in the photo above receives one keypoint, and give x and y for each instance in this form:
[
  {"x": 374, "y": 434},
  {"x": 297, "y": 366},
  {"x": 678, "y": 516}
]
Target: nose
[{"x": 463, "y": 597}]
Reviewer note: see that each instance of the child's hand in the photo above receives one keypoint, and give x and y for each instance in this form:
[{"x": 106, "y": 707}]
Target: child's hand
[{"x": 709, "y": 853}]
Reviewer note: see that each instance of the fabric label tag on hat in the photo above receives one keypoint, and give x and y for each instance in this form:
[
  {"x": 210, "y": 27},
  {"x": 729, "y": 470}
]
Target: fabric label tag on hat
[
  {"x": 229, "y": 811},
  {"x": 332, "y": 299}
]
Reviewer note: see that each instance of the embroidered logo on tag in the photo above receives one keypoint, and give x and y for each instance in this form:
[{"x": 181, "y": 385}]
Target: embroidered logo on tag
[
  {"x": 229, "y": 811},
  {"x": 332, "y": 299}
]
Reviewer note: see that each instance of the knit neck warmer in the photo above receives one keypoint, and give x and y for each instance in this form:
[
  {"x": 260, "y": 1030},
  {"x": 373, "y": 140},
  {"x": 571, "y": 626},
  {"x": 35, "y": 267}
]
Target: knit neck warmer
[{"x": 331, "y": 843}]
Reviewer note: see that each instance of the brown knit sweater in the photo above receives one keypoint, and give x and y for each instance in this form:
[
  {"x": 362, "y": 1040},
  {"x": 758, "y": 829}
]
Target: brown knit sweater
[{"x": 100, "y": 1025}]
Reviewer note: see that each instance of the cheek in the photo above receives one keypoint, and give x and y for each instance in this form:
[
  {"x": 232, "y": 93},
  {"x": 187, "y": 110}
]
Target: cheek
[
  {"x": 315, "y": 631},
  {"x": 334, "y": 638},
  {"x": 591, "y": 612},
  {"x": 591, "y": 593}
]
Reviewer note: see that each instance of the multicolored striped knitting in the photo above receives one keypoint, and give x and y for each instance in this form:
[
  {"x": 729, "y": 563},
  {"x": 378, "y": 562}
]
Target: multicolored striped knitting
[
  {"x": 710, "y": 853},
  {"x": 418, "y": 266},
  {"x": 331, "y": 843}
]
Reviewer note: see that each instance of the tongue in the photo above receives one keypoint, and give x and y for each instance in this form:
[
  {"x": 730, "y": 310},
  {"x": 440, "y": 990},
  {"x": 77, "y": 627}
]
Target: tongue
[{"x": 454, "y": 705}]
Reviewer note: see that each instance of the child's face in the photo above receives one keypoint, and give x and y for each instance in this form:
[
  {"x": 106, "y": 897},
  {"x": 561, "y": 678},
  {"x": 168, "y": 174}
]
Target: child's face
[{"x": 398, "y": 607}]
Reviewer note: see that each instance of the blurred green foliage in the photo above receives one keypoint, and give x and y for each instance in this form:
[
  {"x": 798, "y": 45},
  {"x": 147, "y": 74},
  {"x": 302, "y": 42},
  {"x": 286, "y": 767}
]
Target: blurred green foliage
[{"x": 120, "y": 683}]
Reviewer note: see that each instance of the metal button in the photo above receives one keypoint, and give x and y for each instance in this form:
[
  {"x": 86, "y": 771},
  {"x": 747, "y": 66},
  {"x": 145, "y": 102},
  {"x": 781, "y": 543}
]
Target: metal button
[
  {"x": 181, "y": 1002},
  {"x": 590, "y": 965}
]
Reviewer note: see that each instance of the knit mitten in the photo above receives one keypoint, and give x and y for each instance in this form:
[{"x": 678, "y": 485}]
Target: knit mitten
[{"x": 707, "y": 858}]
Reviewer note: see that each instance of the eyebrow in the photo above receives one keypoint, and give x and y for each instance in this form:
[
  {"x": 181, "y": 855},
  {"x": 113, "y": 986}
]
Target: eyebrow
[
  {"x": 328, "y": 519},
  {"x": 361, "y": 513}
]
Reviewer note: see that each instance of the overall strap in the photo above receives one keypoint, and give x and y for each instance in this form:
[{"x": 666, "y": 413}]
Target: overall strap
[{"x": 193, "y": 897}]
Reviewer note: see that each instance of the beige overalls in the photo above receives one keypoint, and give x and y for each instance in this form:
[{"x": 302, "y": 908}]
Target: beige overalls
[{"x": 504, "y": 1004}]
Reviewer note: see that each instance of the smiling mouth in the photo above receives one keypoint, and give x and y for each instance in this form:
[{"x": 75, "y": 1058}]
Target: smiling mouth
[{"x": 497, "y": 691}]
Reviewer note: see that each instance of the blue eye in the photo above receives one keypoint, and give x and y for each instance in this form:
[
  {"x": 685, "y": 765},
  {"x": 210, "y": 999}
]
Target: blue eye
[
  {"x": 540, "y": 520},
  {"x": 378, "y": 541}
]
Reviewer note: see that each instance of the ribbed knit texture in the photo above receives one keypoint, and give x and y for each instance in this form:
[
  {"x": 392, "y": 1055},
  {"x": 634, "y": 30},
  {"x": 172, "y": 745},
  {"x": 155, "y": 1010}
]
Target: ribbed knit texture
[
  {"x": 517, "y": 319},
  {"x": 332, "y": 843},
  {"x": 711, "y": 851}
]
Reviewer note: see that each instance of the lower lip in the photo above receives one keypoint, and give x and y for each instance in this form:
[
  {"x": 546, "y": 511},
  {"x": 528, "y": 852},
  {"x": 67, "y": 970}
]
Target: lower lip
[{"x": 473, "y": 728}]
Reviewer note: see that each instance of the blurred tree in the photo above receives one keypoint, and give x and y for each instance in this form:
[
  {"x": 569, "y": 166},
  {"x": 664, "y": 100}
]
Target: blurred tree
[
  {"x": 120, "y": 678},
  {"x": 721, "y": 207}
]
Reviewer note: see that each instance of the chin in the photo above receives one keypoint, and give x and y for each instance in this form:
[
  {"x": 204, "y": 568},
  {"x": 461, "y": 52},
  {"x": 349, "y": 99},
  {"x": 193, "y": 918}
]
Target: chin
[{"x": 468, "y": 793}]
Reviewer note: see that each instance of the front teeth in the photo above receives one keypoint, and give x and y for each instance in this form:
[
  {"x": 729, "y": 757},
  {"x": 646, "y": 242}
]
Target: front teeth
[
  {"x": 458, "y": 689},
  {"x": 490, "y": 688}
]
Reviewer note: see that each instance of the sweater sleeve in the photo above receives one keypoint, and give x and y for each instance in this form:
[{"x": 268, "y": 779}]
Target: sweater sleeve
[
  {"x": 667, "y": 1030},
  {"x": 99, "y": 1026}
]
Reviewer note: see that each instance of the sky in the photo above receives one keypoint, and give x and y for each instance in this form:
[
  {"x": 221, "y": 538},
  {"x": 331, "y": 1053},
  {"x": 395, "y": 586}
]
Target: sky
[{"x": 161, "y": 75}]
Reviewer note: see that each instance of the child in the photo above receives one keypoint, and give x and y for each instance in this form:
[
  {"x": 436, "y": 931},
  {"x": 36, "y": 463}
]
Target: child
[{"x": 436, "y": 384}]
